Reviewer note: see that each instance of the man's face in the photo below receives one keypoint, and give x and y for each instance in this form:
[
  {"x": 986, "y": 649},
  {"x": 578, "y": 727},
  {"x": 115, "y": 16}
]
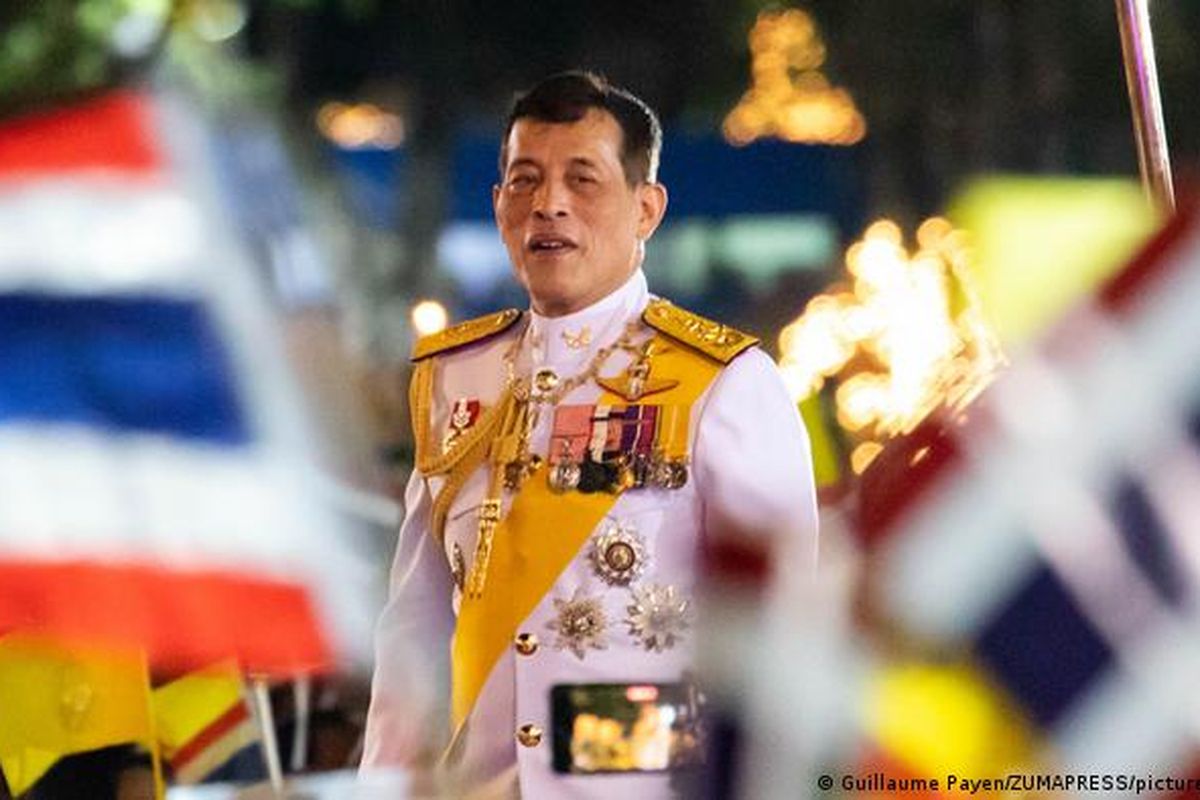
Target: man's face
[{"x": 571, "y": 223}]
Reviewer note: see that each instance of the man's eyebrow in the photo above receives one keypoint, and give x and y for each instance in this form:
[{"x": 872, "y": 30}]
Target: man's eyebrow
[
  {"x": 522, "y": 162},
  {"x": 577, "y": 161}
]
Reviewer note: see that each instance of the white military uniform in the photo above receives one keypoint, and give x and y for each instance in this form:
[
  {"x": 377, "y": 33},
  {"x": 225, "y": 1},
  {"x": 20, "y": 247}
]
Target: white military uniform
[{"x": 750, "y": 470}]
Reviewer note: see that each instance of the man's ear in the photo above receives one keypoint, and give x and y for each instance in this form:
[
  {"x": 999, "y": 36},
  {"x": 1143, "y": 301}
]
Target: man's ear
[
  {"x": 496, "y": 202},
  {"x": 652, "y": 205}
]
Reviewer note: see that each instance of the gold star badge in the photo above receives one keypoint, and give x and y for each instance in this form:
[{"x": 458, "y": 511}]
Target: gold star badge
[{"x": 581, "y": 624}]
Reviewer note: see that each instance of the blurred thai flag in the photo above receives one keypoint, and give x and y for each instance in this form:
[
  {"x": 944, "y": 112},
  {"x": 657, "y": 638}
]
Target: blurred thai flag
[
  {"x": 1050, "y": 542},
  {"x": 156, "y": 478}
]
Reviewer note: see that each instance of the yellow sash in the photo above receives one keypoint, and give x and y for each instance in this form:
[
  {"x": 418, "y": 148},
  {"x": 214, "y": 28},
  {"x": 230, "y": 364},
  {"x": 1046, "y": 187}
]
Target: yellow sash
[{"x": 540, "y": 536}]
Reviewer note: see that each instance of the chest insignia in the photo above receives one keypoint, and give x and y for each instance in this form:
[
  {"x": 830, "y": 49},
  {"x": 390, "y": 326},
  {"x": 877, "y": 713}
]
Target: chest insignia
[
  {"x": 618, "y": 554},
  {"x": 658, "y": 616},
  {"x": 578, "y": 341},
  {"x": 636, "y": 382},
  {"x": 581, "y": 624},
  {"x": 463, "y": 415}
]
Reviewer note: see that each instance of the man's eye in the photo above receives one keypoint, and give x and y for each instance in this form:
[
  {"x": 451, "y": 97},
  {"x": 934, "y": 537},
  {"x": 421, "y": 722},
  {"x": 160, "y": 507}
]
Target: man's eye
[
  {"x": 520, "y": 181},
  {"x": 584, "y": 179}
]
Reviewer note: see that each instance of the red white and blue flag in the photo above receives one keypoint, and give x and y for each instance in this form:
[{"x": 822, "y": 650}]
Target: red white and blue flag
[
  {"x": 1053, "y": 537},
  {"x": 155, "y": 472}
]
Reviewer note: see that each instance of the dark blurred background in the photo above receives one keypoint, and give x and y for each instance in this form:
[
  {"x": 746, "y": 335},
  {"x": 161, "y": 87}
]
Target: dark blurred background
[
  {"x": 946, "y": 89},
  {"x": 949, "y": 88}
]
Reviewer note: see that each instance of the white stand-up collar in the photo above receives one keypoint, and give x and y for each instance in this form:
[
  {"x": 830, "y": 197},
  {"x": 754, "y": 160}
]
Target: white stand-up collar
[{"x": 566, "y": 342}]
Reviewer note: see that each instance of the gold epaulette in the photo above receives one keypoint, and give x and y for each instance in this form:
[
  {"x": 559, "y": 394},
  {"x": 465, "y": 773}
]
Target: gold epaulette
[
  {"x": 717, "y": 341},
  {"x": 465, "y": 333}
]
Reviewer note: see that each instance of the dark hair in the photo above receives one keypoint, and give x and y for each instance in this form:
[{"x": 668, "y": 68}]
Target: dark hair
[{"x": 568, "y": 96}]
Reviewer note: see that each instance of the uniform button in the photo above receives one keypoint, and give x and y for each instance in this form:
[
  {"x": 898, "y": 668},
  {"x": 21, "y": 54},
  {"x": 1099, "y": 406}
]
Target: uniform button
[
  {"x": 526, "y": 643},
  {"x": 529, "y": 735}
]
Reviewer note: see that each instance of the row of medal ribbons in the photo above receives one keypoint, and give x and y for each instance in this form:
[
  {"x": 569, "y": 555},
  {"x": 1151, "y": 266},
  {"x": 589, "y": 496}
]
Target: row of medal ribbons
[{"x": 610, "y": 448}]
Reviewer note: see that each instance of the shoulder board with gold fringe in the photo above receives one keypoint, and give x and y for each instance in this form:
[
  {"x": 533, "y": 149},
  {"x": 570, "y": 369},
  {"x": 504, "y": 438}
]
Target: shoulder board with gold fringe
[
  {"x": 465, "y": 333},
  {"x": 717, "y": 341}
]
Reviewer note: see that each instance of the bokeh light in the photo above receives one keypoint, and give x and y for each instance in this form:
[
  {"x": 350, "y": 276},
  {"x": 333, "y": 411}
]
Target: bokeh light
[
  {"x": 789, "y": 96},
  {"x": 356, "y": 126},
  {"x": 429, "y": 316},
  {"x": 907, "y": 337}
]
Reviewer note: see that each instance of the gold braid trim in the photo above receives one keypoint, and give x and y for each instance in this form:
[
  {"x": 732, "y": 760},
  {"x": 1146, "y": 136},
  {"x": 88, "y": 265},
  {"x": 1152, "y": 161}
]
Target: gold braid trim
[
  {"x": 469, "y": 455},
  {"x": 465, "y": 333},
  {"x": 420, "y": 407},
  {"x": 713, "y": 339},
  {"x": 464, "y": 457},
  {"x": 430, "y": 459}
]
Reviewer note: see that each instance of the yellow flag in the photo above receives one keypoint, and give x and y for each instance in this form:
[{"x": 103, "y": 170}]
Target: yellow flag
[
  {"x": 186, "y": 706},
  {"x": 939, "y": 718},
  {"x": 23, "y": 771},
  {"x": 59, "y": 700},
  {"x": 1039, "y": 244}
]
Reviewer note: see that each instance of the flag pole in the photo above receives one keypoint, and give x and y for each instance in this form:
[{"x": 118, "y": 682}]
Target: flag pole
[
  {"x": 156, "y": 768},
  {"x": 1141, "y": 76},
  {"x": 261, "y": 691},
  {"x": 302, "y": 694}
]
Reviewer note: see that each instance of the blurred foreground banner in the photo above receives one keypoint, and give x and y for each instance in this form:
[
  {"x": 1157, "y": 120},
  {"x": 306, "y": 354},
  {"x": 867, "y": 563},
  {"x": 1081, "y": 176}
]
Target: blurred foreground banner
[
  {"x": 1035, "y": 564},
  {"x": 155, "y": 467},
  {"x": 1041, "y": 243}
]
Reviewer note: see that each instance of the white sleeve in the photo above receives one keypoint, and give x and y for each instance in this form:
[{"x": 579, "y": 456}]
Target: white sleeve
[
  {"x": 409, "y": 714},
  {"x": 753, "y": 467}
]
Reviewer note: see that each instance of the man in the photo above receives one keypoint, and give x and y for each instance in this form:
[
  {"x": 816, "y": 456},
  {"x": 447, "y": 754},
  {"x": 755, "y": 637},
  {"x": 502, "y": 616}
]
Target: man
[{"x": 572, "y": 462}]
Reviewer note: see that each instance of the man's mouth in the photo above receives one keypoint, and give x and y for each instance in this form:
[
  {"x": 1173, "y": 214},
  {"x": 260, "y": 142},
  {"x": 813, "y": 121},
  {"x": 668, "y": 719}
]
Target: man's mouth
[{"x": 550, "y": 244}]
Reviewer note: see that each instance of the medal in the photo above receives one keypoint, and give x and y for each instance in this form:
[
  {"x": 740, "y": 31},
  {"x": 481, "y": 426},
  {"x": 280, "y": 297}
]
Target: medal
[
  {"x": 568, "y": 444},
  {"x": 592, "y": 476},
  {"x": 625, "y": 478},
  {"x": 660, "y": 472},
  {"x": 512, "y": 451},
  {"x": 564, "y": 476},
  {"x": 612, "y": 474},
  {"x": 463, "y": 415},
  {"x": 642, "y": 445},
  {"x": 581, "y": 624},
  {"x": 658, "y": 616},
  {"x": 618, "y": 554},
  {"x": 515, "y": 472},
  {"x": 665, "y": 473},
  {"x": 640, "y": 470},
  {"x": 678, "y": 472},
  {"x": 618, "y": 448},
  {"x": 668, "y": 466}
]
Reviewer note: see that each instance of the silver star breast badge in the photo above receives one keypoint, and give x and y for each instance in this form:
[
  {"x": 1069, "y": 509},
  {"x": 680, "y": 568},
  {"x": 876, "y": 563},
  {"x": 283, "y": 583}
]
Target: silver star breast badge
[
  {"x": 619, "y": 554},
  {"x": 658, "y": 616}
]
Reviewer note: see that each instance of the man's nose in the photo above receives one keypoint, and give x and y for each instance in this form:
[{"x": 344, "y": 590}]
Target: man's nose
[{"x": 550, "y": 200}]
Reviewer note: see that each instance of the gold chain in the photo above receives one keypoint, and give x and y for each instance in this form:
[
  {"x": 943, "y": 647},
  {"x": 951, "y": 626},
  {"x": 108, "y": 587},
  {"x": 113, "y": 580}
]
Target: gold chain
[
  {"x": 523, "y": 389},
  {"x": 511, "y": 460}
]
